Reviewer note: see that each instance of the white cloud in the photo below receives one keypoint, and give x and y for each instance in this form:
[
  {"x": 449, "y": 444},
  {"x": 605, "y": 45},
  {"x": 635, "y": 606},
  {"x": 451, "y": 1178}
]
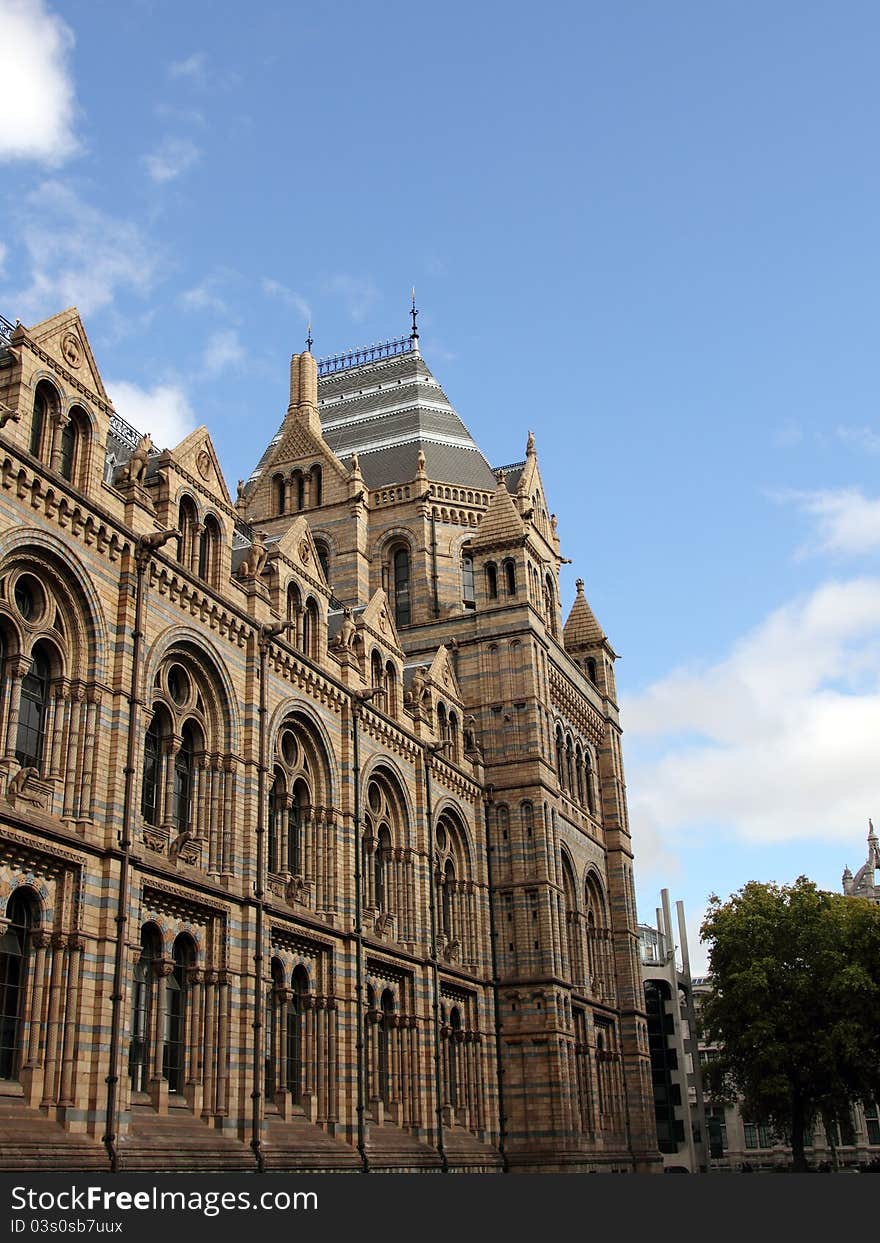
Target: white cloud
[
  {"x": 224, "y": 350},
  {"x": 171, "y": 158},
  {"x": 848, "y": 522},
  {"x": 774, "y": 743},
  {"x": 38, "y": 92},
  {"x": 79, "y": 254},
  {"x": 864, "y": 438},
  {"x": 192, "y": 69},
  {"x": 163, "y": 411},
  {"x": 275, "y": 289}
]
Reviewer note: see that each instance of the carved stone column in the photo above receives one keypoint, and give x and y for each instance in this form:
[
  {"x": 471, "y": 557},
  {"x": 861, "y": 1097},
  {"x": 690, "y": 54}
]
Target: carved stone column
[
  {"x": 75, "y": 947},
  {"x": 195, "y": 1052},
  {"x": 209, "y": 1078},
  {"x": 53, "y": 1019},
  {"x": 158, "y": 1084},
  {"x": 17, "y": 668},
  {"x": 223, "y": 983}
]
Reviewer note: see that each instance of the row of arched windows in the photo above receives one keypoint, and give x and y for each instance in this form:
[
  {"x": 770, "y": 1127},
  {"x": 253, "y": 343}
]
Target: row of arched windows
[
  {"x": 60, "y": 440},
  {"x": 301, "y": 489},
  {"x": 574, "y": 767},
  {"x": 200, "y": 546}
]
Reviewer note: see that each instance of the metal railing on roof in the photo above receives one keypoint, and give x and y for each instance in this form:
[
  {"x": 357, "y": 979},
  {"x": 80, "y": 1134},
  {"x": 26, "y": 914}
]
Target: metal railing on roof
[
  {"x": 124, "y": 432},
  {"x": 364, "y": 354},
  {"x": 6, "y": 328}
]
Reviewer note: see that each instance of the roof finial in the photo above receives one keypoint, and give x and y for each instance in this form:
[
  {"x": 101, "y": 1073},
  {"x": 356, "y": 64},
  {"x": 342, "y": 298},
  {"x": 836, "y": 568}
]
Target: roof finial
[
  {"x": 414, "y": 335},
  {"x": 309, "y": 342},
  {"x": 530, "y": 445},
  {"x": 579, "y": 584}
]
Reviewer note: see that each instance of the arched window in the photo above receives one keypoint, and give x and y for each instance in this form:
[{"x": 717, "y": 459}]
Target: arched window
[
  {"x": 187, "y": 525},
  {"x": 295, "y": 816},
  {"x": 376, "y": 671},
  {"x": 380, "y": 859},
  {"x": 274, "y": 1011},
  {"x": 510, "y": 576},
  {"x": 296, "y": 1015},
  {"x": 390, "y": 684},
  {"x": 591, "y": 670},
  {"x": 176, "y": 997},
  {"x": 31, "y": 735},
  {"x": 492, "y": 580},
  {"x": 183, "y": 779},
  {"x": 74, "y": 440},
  {"x": 142, "y": 1008},
  {"x": 579, "y": 772},
  {"x": 278, "y": 493},
  {"x": 316, "y": 478},
  {"x": 468, "y": 593},
  {"x": 294, "y": 604},
  {"x": 401, "y": 572},
  {"x": 323, "y": 556},
  {"x": 453, "y": 736},
  {"x": 152, "y": 769},
  {"x": 15, "y": 954},
  {"x": 446, "y": 902},
  {"x": 384, "y": 1024},
  {"x": 209, "y": 552},
  {"x": 573, "y": 925},
  {"x": 569, "y": 763},
  {"x": 560, "y": 757},
  {"x": 45, "y": 401},
  {"x": 310, "y": 622},
  {"x": 588, "y": 783},
  {"x": 455, "y": 1036},
  {"x": 272, "y": 828},
  {"x": 550, "y": 604},
  {"x": 297, "y": 482}
]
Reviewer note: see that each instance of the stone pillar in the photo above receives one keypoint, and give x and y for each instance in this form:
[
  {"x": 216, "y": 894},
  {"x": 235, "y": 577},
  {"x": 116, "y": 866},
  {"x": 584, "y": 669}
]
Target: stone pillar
[
  {"x": 75, "y": 947},
  {"x": 223, "y": 983},
  {"x": 17, "y": 668},
  {"x": 209, "y": 1080},
  {"x": 158, "y": 1084},
  {"x": 195, "y": 1053},
  {"x": 53, "y": 1019}
]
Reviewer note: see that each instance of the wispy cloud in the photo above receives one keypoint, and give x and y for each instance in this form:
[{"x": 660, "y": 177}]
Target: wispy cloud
[
  {"x": 171, "y": 158},
  {"x": 163, "y": 411},
  {"x": 204, "y": 297},
  {"x": 359, "y": 295},
  {"x": 79, "y": 254},
  {"x": 863, "y": 438},
  {"x": 847, "y": 521},
  {"x": 274, "y": 289},
  {"x": 224, "y": 351},
  {"x": 39, "y": 105},
  {"x": 777, "y": 741},
  {"x": 193, "y": 68}
]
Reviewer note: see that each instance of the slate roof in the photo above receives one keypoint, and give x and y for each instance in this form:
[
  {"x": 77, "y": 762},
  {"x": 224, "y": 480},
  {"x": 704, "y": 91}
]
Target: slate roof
[{"x": 388, "y": 410}]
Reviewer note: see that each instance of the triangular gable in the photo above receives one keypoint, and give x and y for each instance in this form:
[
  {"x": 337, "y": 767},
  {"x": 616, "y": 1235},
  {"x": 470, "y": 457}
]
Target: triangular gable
[
  {"x": 298, "y": 545},
  {"x": 196, "y": 454},
  {"x": 296, "y": 442},
  {"x": 442, "y": 674},
  {"x": 377, "y": 617},
  {"x": 65, "y": 337}
]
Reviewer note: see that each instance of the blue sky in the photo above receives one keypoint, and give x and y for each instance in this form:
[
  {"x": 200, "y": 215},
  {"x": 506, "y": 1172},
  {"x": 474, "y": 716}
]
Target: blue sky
[{"x": 647, "y": 231}]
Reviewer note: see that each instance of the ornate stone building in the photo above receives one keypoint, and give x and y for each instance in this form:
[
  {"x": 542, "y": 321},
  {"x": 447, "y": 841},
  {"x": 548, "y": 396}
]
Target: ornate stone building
[{"x": 315, "y": 852}]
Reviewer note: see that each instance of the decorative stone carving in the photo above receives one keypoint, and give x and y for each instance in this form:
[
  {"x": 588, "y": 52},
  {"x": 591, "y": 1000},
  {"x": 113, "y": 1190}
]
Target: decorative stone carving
[
  {"x": 26, "y": 787},
  {"x": 136, "y": 467}
]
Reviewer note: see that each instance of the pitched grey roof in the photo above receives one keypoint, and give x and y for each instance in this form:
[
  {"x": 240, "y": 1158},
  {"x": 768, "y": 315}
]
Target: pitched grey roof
[{"x": 388, "y": 410}]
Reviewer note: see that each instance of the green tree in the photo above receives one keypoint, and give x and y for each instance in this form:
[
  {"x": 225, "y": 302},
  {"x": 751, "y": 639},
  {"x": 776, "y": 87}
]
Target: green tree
[{"x": 794, "y": 1004}]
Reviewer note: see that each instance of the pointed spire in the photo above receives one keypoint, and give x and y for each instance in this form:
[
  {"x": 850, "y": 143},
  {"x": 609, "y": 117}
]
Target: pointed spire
[
  {"x": 501, "y": 523},
  {"x": 309, "y": 341},
  {"x": 414, "y": 335},
  {"x": 582, "y": 629}
]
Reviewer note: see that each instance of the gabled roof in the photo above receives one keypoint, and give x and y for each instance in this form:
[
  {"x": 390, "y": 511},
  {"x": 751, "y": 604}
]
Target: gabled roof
[
  {"x": 65, "y": 336},
  {"x": 582, "y": 629}
]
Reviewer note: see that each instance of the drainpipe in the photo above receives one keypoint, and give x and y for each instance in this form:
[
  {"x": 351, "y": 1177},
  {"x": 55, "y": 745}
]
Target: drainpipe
[
  {"x": 432, "y": 749},
  {"x": 267, "y": 633},
  {"x": 499, "y": 1067},
  {"x": 145, "y": 545}
]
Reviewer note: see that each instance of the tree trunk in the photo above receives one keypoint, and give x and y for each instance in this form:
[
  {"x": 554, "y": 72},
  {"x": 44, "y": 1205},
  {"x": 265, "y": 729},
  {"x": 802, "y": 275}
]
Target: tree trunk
[{"x": 798, "y": 1156}]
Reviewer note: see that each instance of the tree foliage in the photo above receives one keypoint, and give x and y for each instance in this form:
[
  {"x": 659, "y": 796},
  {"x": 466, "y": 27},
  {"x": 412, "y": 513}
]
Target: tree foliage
[{"x": 794, "y": 1004}]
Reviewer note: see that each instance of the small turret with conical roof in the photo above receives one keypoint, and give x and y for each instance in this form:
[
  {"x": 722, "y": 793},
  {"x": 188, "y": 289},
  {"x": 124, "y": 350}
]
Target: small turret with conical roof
[{"x": 587, "y": 644}]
